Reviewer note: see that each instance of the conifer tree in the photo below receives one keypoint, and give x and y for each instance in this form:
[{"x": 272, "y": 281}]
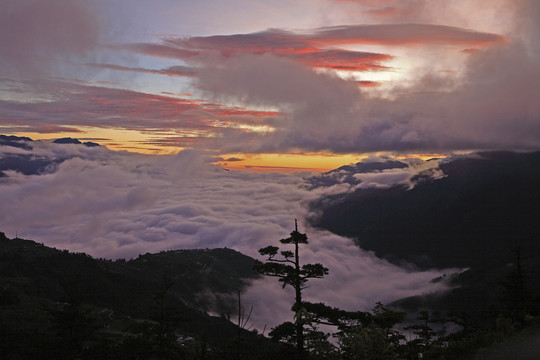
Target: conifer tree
[{"x": 288, "y": 270}]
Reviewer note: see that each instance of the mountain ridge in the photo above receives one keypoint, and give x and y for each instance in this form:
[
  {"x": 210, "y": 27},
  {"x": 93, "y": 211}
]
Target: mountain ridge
[
  {"x": 476, "y": 217},
  {"x": 37, "y": 282},
  {"x": 491, "y": 197}
]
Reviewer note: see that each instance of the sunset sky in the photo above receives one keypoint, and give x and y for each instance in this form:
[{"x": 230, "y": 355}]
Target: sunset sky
[
  {"x": 280, "y": 85},
  {"x": 186, "y": 88}
]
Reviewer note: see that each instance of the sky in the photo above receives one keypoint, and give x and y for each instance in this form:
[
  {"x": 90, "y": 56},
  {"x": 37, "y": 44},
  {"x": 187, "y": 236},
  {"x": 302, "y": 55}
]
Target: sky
[
  {"x": 305, "y": 84},
  {"x": 178, "y": 91}
]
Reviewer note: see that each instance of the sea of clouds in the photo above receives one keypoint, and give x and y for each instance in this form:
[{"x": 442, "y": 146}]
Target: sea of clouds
[{"x": 118, "y": 205}]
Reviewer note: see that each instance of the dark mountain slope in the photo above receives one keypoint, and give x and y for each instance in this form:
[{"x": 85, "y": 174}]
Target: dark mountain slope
[
  {"x": 345, "y": 174},
  {"x": 482, "y": 210},
  {"x": 27, "y": 164},
  {"x": 15, "y": 141},
  {"x": 69, "y": 140},
  {"x": 31, "y": 164},
  {"x": 476, "y": 217},
  {"x": 37, "y": 283}
]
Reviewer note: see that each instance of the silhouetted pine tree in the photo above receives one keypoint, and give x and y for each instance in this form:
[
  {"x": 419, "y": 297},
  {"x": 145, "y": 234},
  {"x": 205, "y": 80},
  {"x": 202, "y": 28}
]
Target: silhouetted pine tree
[{"x": 288, "y": 270}]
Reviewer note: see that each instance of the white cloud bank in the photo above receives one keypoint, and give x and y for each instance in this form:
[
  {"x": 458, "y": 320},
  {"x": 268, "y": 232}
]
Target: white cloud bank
[{"x": 112, "y": 205}]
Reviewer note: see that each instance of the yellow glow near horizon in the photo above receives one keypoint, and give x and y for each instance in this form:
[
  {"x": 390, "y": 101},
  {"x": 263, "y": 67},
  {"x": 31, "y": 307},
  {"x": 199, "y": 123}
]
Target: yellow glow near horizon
[
  {"x": 140, "y": 142},
  {"x": 114, "y": 139},
  {"x": 318, "y": 162},
  {"x": 314, "y": 162}
]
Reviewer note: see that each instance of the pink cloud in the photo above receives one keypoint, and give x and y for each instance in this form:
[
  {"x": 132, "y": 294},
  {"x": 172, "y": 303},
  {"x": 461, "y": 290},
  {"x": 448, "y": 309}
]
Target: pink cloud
[
  {"x": 315, "y": 110},
  {"x": 318, "y": 48},
  {"x": 344, "y": 60},
  {"x": 278, "y": 42},
  {"x": 401, "y": 34},
  {"x": 367, "y": 83},
  {"x": 76, "y": 105}
]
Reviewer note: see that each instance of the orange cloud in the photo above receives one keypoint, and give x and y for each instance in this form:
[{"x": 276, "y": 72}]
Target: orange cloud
[
  {"x": 368, "y": 84},
  {"x": 278, "y": 42},
  {"x": 317, "y": 48},
  {"x": 344, "y": 60},
  {"x": 124, "y": 109},
  {"x": 401, "y": 34}
]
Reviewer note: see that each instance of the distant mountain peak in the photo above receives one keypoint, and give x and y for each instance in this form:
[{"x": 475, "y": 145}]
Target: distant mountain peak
[
  {"x": 457, "y": 213},
  {"x": 371, "y": 166},
  {"x": 29, "y": 163},
  {"x": 69, "y": 140},
  {"x": 15, "y": 141},
  {"x": 351, "y": 174}
]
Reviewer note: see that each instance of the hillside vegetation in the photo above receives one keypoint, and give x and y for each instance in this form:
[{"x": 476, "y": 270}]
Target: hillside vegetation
[
  {"x": 60, "y": 305},
  {"x": 57, "y": 304}
]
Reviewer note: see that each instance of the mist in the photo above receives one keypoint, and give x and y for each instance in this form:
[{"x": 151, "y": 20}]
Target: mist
[{"x": 118, "y": 205}]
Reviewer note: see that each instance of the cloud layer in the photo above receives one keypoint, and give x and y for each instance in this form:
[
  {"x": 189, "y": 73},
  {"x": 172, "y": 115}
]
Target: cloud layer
[
  {"x": 450, "y": 76},
  {"x": 282, "y": 90},
  {"x": 320, "y": 48},
  {"x": 36, "y": 36},
  {"x": 113, "y": 205}
]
